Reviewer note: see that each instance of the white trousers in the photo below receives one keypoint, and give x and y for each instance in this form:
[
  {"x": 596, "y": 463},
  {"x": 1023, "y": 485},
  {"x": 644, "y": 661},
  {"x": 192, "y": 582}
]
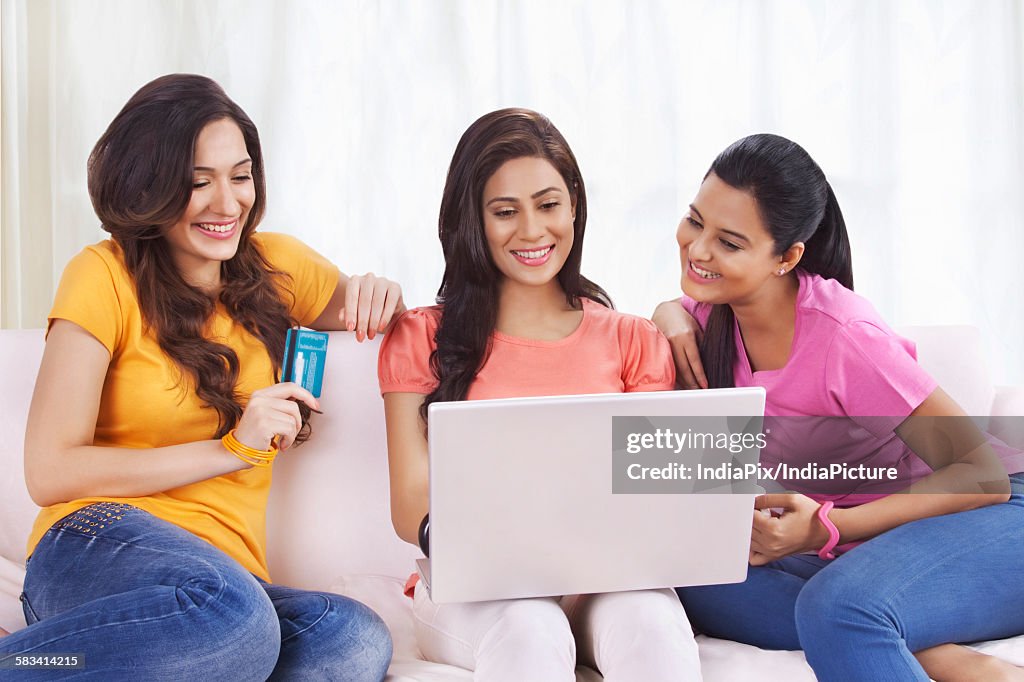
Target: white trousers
[{"x": 626, "y": 636}]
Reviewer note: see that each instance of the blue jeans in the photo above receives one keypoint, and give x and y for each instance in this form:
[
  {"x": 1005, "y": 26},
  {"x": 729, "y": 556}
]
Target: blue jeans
[
  {"x": 142, "y": 599},
  {"x": 952, "y": 578}
]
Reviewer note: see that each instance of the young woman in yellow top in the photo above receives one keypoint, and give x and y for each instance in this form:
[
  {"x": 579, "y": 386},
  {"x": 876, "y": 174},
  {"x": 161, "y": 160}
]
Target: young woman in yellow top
[{"x": 157, "y": 415}]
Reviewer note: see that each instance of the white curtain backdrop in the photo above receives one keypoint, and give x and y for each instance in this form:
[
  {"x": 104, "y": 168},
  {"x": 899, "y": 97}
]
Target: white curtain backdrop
[{"x": 913, "y": 108}]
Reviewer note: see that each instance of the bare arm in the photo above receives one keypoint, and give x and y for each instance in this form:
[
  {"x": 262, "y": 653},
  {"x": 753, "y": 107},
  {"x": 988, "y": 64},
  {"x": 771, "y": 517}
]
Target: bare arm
[
  {"x": 61, "y": 464},
  {"x": 967, "y": 475},
  {"x": 683, "y": 333},
  {"x": 407, "y": 463}
]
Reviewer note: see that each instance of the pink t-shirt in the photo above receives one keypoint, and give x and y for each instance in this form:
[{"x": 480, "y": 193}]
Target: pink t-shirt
[
  {"x": 610, "y": 352},
  {"x": 846, "y": 362}
]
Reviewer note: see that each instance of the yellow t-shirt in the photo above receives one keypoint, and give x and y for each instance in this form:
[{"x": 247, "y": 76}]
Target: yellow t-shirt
[{"x": 146, "y": 404}]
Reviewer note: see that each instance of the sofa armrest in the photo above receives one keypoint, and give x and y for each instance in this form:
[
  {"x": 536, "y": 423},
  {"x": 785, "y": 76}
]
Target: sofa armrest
[{"x": 1007, "y": 420}]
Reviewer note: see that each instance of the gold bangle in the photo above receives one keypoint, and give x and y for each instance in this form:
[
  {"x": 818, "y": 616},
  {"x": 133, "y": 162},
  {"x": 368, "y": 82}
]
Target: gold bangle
[
  {"x": 251, "y": 462},
  {"x": 242, "y": 447},
  {"x": 238, "y": 446},
  {"x": 251, "y": 456}
]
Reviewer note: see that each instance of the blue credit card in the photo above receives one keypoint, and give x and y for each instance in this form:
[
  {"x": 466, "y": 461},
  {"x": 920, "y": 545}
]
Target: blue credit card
[{"x": 305, "y": 353}]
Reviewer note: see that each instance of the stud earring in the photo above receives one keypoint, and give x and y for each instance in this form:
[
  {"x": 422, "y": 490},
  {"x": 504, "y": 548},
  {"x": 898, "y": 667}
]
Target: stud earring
[{"x": 782, "y": 271}]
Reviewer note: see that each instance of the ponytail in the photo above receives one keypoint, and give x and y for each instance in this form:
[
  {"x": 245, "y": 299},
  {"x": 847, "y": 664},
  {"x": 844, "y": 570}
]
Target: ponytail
[
  {"x": 718, "y": 347},
  {"x": 827, "y": 252},
  {"x": 797, "y": 205}
]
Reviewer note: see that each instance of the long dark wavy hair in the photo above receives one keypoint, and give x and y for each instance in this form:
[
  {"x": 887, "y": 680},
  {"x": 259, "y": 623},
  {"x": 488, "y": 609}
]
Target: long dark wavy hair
[
  {"x": 140, "y": 182},
  {"x": 470, "y": 286},
  {"x": 797, "y": 205}
]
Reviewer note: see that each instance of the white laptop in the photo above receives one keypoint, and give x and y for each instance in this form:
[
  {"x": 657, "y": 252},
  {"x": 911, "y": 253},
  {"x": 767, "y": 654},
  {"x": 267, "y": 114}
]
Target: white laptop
[{"x": 522, "y": 501}]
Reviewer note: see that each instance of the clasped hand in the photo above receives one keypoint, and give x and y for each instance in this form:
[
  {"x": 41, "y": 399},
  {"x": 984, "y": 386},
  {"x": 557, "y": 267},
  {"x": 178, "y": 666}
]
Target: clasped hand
[{"x": 794, "y": 530}]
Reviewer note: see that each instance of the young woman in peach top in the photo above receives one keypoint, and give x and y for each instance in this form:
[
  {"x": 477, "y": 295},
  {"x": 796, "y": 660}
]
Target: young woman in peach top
[{"x": 516, "y": 318}]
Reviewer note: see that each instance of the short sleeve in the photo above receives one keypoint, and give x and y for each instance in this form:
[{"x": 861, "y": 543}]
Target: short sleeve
[
  {"x": 872, "y": 376},
  {"x": 313, "y": 277},
  {"x": 699, "y": 311},
  {"x": 647, "y": 358},
  {"x": 87, "y": 295},
  {"x": 403, "y": 365}
]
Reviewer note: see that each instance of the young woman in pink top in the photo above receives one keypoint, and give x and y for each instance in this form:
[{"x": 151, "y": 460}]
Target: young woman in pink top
[
  {"x": 768, "y": 281},
  {"x": 516, "y": 318}
]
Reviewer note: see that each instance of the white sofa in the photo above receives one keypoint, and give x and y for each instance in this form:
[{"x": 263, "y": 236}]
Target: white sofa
[{"x": 329, "y": 525}]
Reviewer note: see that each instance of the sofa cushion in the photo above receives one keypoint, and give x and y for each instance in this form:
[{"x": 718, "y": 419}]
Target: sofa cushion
[
  {"x": 329, "y": 512},
  {"x": 955, "y": 357},
  {"x": 12, "y": 576},
  {"x": 20, "y": 352}
]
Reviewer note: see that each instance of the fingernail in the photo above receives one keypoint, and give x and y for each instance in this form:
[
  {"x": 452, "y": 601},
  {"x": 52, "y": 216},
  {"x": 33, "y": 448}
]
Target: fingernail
[{"x": 350, "y": 325}]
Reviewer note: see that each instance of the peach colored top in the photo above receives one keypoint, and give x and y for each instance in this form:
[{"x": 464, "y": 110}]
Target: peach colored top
[{"x": 610, "y": 352}]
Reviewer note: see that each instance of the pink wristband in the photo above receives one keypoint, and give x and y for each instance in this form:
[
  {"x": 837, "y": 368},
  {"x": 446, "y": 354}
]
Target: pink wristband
[{"x": 833, "y": 533}]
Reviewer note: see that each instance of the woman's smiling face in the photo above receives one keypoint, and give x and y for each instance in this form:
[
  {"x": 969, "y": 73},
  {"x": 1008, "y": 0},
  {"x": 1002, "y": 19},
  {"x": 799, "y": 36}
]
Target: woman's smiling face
[
  {"x": 528, "y": 220},
  {"x": 725, "y": 250},
  {"x": 223, "y": 191}
]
